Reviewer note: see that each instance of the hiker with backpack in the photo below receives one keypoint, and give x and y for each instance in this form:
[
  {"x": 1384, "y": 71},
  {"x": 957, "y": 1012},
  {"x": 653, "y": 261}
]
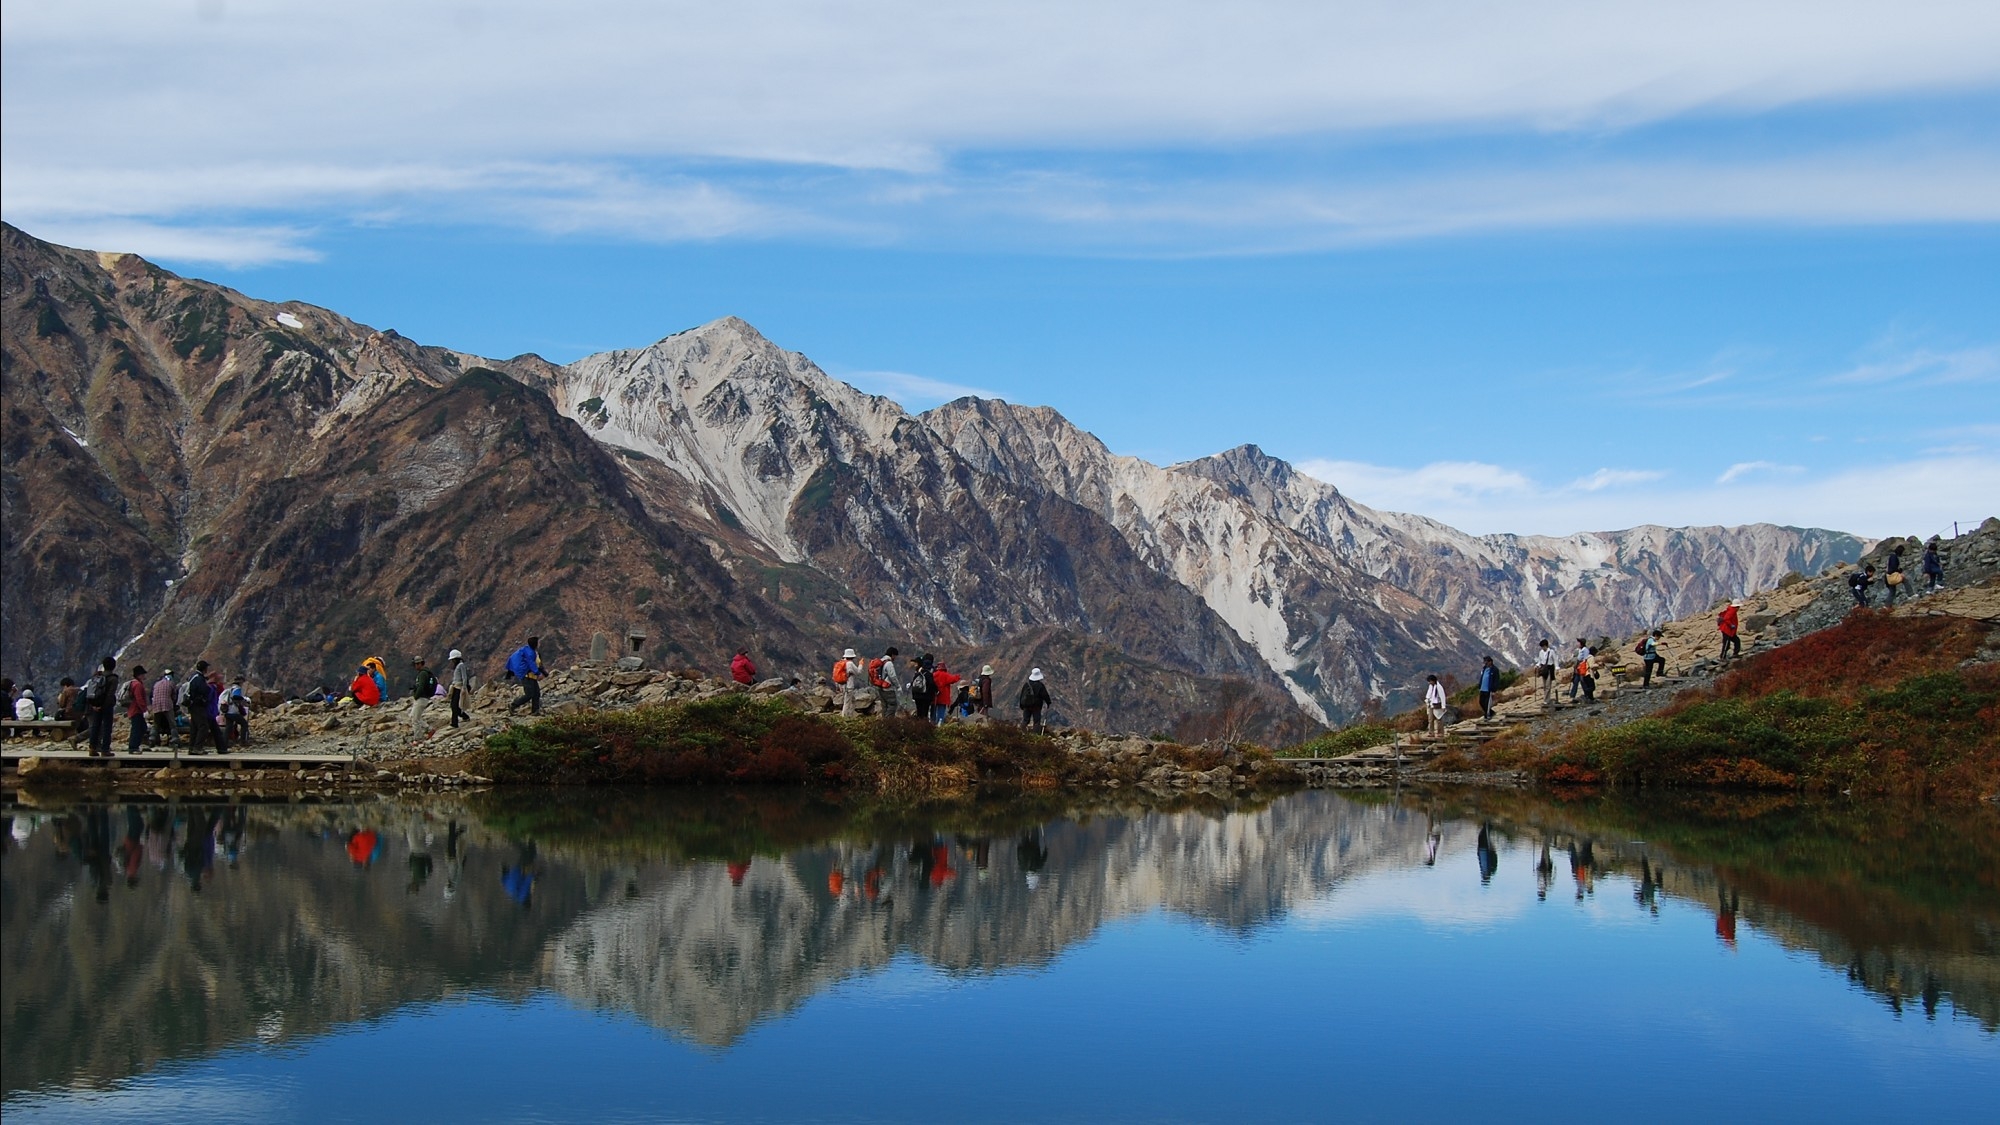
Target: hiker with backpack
[
  {"x": 1727, "y": 623},
  {"x": 423, "y": 689},
  {"x": 236, "y": 712},
  {"x": 923, "y": 689},
  {"x": 97, "y": 701},
  {"x": 161, "y": 709},
  {"x": 887, "y": 681},
  {"x": 1489, "y": 684},
  {"x": 1581, "y": 660},
  {"x": 526, "y": 666},
  {"x": 946, "y": 680},
  {"x": 461, "y": 687},
  {"x": 1034, "y": 699},
  {"x": 197, "y": 698},
  {"x": 1648, "y": 650},
  {"x": 1892, "y": 573},
  {"x": 1859, "y": 583},
  {"x": 1933, "y": 567},
  {"x": 1585, "y": 675},
  {"x": 132, "y": 701},
  {"x": 849, "y": 678}
]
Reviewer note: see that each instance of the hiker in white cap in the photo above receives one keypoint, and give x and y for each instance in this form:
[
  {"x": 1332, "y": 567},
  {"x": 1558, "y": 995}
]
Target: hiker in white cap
[
  {"x": 1034, "y": 697},
  {"x": 461, "y": 687},
  {"x": 849, "y": 678}
]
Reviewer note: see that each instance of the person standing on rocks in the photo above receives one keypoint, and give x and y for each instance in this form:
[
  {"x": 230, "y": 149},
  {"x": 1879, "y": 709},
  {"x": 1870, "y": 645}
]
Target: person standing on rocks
[
  {"x": 923, "y": 689},
  {"x": 1728, "y": 622},
  {"x": 1577, "y": 663},
  {"x": 1434, "y": 703},
  {"x": 461, "y": 688},
  {"x": 1489, "y": 683},
  {"x": 1585, "y": 675},
  {"x": 1859, "y": 584},
  {"x": 526, "y": 666},
  {"x": 97, "y": 696},
  {"x": 162, "y": 709},
  {"x": 1892, "y": 573},
  {"x": 1034, "y": 699},
  {"x": 236, "y": 712},
  {"x": 850, "y": 677},
  {"x": 199, "y": 699},
  {"x": 423, "y": 689},
  {"x": 887, "y": 680},
  {"x": 1649, "y": 657},
  {"x": 946, "y": 680},
  {"x": 984, "y": 703},
  {"x": 1933, "y": 567},
  {"x": 132, "y": 698},
  {"x": 1545, "y": 666}
]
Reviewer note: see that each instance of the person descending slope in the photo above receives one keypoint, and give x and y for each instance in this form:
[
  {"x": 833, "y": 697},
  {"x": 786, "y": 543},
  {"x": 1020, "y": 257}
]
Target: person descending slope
[
  {"x": 526, "y": 665},
  {"x": 1034, "y": 699}
]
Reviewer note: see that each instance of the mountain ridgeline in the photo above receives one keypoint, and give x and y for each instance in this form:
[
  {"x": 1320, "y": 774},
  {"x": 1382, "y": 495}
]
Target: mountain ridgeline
[{"x": 193, "y": 472}]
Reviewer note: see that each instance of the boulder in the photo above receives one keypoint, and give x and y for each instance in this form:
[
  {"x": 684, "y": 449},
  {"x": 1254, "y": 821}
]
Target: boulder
[
  {"x": 769, "y": 687},
  {"x": 630, "y": 664},
  {"x": 27, "y": 766}
]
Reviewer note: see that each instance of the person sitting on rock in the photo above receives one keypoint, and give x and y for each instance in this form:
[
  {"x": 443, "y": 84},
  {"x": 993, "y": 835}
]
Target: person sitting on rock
[{"x": 741, "y": 669}]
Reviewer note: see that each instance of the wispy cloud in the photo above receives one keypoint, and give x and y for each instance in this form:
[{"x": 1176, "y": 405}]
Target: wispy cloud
[
  {"x": 1927, "y": 366},
  {"x": 913, "y": 390},
  {"x": 1877, "y": 500},
  {"x": 1614, "y": 478},
  {"x": 232, "y": 246},
  {"x": 1743, "y": 469}
]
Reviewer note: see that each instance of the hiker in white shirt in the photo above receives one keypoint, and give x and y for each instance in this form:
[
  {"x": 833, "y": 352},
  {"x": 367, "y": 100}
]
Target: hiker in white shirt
[
  {"x": 1434, "y": 705},
  {"x": 1545, "y": 663}
]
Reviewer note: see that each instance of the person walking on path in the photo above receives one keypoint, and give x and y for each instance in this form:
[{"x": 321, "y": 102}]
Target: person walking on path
[
  {"x": 923, "y": 689},
  {"x": 132, "y": 699},
  {"x": 97, "y": 696},
  {"x": 1933, "y": 567},
  {"x": 984, "y": 702},
  {"x": 236, "y": 712},
  {"x": 849, "y": 677},
  {"x": 1727, "y": 623},
  {"x": 461, "y": 688},
  {"x": 1434, "y": 704},
  {"x": 423, "y": 689},
  {"x": 1580, "y": 660},
  {"x": 215, "y": 708},
  {"x": 1489, "y": 683},
  {"x": 1649, "y": 657},
  {"x": 162, "y": 709},
  {"x": 1859, "y": 583},
  {"x": 887, "y": 680},
  {"x": 1892, "y": 573},
  {"x": 1545, "y": 667},
  {"x": 945, "y": 679},
  {"x": 1034, "y": 699},
  {"x": 1585, "y": 675},
  {"x": 741, "y": 669},
  {"x": 199, "y": 699},
  {"x": 526, "y": 665}
]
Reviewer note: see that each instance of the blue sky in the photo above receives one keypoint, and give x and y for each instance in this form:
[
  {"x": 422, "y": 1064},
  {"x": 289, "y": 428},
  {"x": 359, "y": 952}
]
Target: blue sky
[{"x": 1544, "y": 267}]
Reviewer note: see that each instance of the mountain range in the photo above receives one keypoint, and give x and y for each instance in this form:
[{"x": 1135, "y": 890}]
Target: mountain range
[{"x": 190, "y": 471}]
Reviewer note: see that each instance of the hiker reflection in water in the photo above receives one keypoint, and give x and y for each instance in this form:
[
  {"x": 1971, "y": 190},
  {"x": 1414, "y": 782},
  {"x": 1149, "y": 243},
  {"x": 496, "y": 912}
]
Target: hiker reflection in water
[
  {"x": 198, "y": 849},
  {"x": 454, "y": 857},
  {"x": 1433, "y": 839},
  {"x": 1545, "y": 873},
  {"x": 518, "y": 878},
  {"x": 1489, "y": 858},
  {"x": 1725, "y": 916},
  {"x": 1583, "y": 868},
  {"x": 1647, "y": 893},
  {"x": 97, "y": 851},
  {"x": 132, "y": 852}
]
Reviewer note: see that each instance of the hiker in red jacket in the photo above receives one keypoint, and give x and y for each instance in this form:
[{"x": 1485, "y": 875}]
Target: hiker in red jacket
[
  {"x": 945, "y": 679},
  {"x": 741, "y": 669},
  {"x": 1726, "y": 622}
]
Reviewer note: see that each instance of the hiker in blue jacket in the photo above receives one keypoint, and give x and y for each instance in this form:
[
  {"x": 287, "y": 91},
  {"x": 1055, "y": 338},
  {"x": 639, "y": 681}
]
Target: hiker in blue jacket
[
  {"x": 526, "y": 665},
  {"x": 1489, "y": 682}
]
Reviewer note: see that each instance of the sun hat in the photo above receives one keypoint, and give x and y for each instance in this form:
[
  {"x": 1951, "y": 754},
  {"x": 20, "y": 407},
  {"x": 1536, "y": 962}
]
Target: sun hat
[
  {"x": 455, "y": 655},
  {"x": 1035, "y": 674},
  {"x": 848, "y": 655},
  {"x": 986, "y": 669}
]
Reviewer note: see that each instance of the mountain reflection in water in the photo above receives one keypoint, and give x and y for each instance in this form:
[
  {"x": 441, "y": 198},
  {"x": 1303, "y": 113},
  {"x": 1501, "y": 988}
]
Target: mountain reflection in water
[{"x": 142, "y": 933}]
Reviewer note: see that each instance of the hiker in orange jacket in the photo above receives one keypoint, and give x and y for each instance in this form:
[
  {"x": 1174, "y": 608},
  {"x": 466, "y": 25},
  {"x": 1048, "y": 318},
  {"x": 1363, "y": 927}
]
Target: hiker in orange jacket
[{"x": 1726, "y": 621}]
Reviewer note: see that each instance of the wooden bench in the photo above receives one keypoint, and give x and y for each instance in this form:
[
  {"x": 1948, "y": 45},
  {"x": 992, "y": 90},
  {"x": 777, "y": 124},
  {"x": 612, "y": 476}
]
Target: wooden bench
[{"x": 40, "y": 728}]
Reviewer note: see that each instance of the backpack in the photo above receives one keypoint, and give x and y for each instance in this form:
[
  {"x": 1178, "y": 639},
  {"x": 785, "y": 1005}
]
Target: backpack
[
  {"x": 124, "y": 698},
  {"x": 234, "y": 703},
  {"x": 876, "y": 677},
  {"x": 1640, "y": 648},
  {"x": 921, "y": 684},
  {"x": 840, "y": 671},
  {"x": 184, "y": 694},
  {"x": 97, "y": 692}
]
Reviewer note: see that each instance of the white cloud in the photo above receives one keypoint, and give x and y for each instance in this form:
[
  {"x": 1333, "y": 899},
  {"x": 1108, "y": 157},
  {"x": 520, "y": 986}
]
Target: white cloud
[
  {"x": 1916, "y": 496},
  {"x": 1614, "y": 478},
  {"x": 901, "y": 119},
  {"x": 1927, "y": 367},
  {"x": 1742, "y": 469},
  {"x": 913, "y": 390},
  {"x": 218, "y": 245}
]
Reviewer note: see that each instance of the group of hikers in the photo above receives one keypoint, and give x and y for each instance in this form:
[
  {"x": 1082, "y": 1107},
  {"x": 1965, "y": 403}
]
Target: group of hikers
[
  {"x": 212, "y": 712},
  {"x": 1861, "y": 583},
  {"x": 925, "y": 687},
  {"x": 370, "y": 686}
]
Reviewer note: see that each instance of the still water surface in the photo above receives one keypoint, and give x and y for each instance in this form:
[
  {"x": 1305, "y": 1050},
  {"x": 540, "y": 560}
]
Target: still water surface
[{"x": 1464, "y": 957}]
